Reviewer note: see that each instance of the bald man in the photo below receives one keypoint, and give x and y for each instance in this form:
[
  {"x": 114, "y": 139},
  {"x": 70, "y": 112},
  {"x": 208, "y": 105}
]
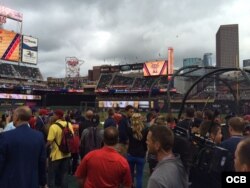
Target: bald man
[
  {"x": 87, "y": 121},
  {"x": 105, "y": 167},
  {"x": 22, "y": 154}
]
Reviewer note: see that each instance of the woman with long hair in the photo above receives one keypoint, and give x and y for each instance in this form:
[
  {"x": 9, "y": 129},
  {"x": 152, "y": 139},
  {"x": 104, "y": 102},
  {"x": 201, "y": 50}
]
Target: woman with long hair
[{"x": 137, "y": 148}]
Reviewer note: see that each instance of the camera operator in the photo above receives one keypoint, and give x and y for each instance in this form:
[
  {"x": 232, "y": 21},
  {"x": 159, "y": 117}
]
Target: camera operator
[
  {"x": 211, "y": 131},
  {"x": 204, "y": 173},
  {"x": 188, "y": 121}
]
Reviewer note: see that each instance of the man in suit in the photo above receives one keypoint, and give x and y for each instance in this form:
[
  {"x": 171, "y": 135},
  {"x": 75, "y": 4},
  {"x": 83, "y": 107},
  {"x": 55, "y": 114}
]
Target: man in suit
[{"x": 22, "y": 154}]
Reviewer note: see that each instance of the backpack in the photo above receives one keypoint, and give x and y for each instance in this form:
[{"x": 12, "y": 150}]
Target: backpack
[
  {"x": 92, "y": 140},
  {"x": 67, "y": 141},
  {"x": 76, "y": 145}
]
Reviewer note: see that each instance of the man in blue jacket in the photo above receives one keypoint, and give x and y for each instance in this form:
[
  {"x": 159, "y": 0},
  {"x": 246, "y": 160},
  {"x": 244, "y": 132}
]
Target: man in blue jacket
[
  {"x": 236, "y": 128},
  {"x": 22, "y": 154}
]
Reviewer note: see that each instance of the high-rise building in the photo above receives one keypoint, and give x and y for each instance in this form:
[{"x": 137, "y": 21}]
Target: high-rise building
[
  {"x": 227, "y": 46},
  {"x": 207, "y": 59},
  {"x": 189, "y": 81},
  {"x": 246, "y": 63},
  {"x": 192, "y": 61}
]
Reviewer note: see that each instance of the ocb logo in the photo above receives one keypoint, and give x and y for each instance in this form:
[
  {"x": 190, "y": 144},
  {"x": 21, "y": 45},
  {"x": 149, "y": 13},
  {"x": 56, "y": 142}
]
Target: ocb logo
[{"x": 236, "y": 179}]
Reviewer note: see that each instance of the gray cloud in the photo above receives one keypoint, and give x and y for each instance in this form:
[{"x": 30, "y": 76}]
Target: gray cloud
[{"x": 125, "y": 31}]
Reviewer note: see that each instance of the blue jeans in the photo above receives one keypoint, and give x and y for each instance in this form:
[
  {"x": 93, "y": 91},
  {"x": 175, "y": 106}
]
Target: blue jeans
[{"x": 137, "y": 162}]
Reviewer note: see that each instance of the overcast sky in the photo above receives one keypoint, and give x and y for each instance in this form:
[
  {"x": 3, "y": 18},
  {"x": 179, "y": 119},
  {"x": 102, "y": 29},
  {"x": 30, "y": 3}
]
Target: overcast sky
[{"x": 124, "y": 31}]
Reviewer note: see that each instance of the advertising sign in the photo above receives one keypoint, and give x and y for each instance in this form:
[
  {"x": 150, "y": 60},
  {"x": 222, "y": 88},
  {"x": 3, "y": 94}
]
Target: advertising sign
[
  {"x": 123, "y": 104},
  {"x": 29, "y": 50},
  {"x": 9, "y": 45},
  {"x": 115, "y": 68},
  {"x": 138, "y": 66},
  {"x": 105, "y": 69},
  {"x": 19, "y": 96},
  {"x": 156, "y": 68},
  {"x": 125, "y": 68}
]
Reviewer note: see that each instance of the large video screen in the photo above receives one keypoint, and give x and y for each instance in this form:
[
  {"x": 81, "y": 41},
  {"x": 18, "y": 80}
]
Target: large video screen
[
  {"x": 19, "y": 96},
  {"x": 123, "y": 104},
  {"x": 155, "y": 68},
  {"x": 29, "y": 50},
  {"x": 9, "y": 45}
]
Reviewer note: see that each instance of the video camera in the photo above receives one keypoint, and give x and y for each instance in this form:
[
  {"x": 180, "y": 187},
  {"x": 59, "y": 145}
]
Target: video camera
[{"x": 206, "y": 156}]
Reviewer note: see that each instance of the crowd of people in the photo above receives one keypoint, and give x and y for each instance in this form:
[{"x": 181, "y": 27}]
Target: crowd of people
[
  {"x": 6, "y": 70},
  {"x": 114, "y": 81},
  {"x": 23, "y": 77},
  {"x": 142, "y": 83},
  {"x": 16, "y": 71},
  {"x": 32, "y": 73},
  {"x": 69, "y": 83},
  {"x": 120, "y": 80},
  {"x": 41, "y": 149},
  {"x": 104, "y": 81}
]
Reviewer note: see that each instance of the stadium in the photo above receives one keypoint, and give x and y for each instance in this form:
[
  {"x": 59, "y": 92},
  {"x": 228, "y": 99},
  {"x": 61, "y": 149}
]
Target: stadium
[
  {"x": 152, "y": 85},
  {"x": 22, "y": 83},
  {"x": 145, "y": 85}
]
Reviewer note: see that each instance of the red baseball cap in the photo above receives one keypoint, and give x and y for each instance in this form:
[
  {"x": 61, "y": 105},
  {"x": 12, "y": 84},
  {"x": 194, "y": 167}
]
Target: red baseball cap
[
  {"x": 43, "y": 112},
  {"x": 59, "y": 113}
]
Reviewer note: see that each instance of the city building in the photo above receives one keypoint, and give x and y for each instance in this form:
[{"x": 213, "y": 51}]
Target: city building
[
  {"x": 207, "y": 59},
  {"x": 190, "y": 80},
  {"x": 227, "y": 46},
  {"x": 246, "y": 63},
  {"x": 192, "y": 61}
]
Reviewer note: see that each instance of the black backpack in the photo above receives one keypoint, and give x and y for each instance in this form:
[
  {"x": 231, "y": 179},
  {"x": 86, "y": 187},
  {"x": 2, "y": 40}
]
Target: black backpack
[{"x": 67, "y": 141}]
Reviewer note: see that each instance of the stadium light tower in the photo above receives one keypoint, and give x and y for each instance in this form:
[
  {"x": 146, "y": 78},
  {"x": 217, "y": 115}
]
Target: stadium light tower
[
  {"x": 73, "y": 67},
  {"x": 170, "y": 62}
]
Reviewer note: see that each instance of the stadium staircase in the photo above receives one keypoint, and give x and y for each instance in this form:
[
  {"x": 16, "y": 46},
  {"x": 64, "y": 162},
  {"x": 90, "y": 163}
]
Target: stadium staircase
[{"x": 16, "y": 74}]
